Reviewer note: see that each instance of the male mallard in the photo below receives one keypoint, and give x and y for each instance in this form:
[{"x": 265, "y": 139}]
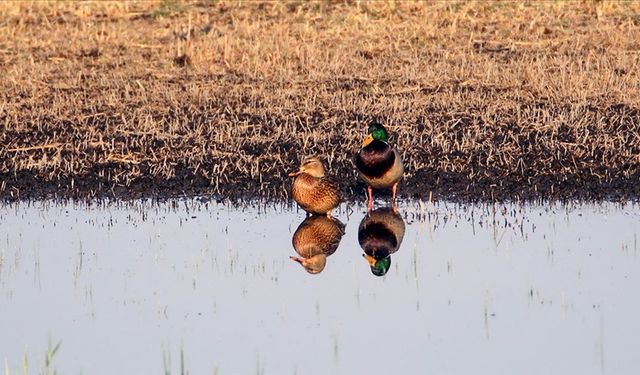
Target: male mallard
[
  {"x": 379, "y": 164},
  {"x": 312, "y": 190},
  {"x": 316, "y": 238},
  {"x": 380, "y": 234}
]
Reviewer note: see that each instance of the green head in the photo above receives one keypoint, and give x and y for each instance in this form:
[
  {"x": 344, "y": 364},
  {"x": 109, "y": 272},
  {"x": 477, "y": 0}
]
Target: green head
[
  {"x": 376, "y": 132},
  {"x": 379, "y": 267}
]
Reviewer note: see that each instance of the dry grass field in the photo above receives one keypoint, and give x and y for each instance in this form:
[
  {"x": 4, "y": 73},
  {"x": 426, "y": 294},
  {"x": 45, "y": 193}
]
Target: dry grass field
[{"x": 485, "y": 100}]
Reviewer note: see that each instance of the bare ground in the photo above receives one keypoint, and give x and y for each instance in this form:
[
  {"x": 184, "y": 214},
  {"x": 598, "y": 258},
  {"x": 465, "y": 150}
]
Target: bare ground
[{"x": 485, "y": 100}]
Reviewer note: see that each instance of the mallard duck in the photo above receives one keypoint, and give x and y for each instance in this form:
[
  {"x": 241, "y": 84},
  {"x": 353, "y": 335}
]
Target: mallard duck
[
  {"x": 316, "y": 238},
  {"x": 380, "y": 234},
  {"x": 312, "y": 190},
  {"x": 379, "y": 164}
]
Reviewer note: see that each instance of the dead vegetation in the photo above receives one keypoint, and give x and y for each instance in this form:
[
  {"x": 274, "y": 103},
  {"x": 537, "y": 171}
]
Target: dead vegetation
[{"x": 486, "y": 100}]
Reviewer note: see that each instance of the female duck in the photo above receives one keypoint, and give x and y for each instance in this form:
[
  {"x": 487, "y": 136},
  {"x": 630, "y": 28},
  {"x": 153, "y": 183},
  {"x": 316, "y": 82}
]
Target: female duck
[
  {"x": 379, "y": 164},
  {"x": 312, "y": 190}
]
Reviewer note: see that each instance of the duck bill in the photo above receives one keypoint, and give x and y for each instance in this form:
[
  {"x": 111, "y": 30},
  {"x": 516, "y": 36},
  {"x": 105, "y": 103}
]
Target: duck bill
[
  {"x": 297, "y": 259},
  {"x": 367, "y": 140},
  {"x": 371, "y": 260},
  {"x": 294, "y": 174}
]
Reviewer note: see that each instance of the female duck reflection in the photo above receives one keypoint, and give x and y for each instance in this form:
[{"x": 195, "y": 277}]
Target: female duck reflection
[
  {"x": 380, "y": 234},
  {"x": 316, "y": 238}
]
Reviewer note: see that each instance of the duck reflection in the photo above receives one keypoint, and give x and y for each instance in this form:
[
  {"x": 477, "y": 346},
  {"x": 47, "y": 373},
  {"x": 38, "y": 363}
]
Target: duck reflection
[
  {"x": 380, "y": 234},
  {"x": 316, "y": 238}
]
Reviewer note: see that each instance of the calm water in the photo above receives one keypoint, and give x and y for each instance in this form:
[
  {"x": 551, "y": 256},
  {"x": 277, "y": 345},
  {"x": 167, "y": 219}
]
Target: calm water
[{"x": 209, "y": 289}]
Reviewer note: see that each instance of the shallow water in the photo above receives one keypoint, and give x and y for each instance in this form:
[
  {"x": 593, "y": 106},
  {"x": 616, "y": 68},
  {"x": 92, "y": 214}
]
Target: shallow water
[{"x": 184, "y": 287}]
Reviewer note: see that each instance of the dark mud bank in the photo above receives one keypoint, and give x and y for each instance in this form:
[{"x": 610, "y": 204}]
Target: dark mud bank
[{"x": 421, "y": 185}]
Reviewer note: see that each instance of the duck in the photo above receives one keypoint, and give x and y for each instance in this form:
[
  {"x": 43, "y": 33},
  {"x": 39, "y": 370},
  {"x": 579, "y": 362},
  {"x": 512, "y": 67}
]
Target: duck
[
  {"x": 312, "y": 190},
  {"x": 316, "y": 238},
  {"x": 380, "y": 234},
  {"x": 379, "y": 164}
]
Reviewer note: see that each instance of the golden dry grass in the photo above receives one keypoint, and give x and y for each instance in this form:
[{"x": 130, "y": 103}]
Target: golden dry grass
[{"x": 486, "y": 100}]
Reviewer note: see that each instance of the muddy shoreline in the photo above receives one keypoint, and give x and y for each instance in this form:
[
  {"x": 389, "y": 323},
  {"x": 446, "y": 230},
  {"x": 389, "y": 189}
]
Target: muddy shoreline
[{"x": 421, "y": 186}]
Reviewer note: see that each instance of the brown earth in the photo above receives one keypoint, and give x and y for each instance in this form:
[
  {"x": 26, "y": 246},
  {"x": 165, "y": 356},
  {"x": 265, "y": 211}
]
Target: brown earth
[{"x": 485, "y": 100}]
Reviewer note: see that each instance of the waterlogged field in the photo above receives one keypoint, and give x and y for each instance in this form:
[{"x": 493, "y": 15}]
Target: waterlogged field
[
  {"x": 193, "y": 287},
  {"x": 486, "y": 101}
]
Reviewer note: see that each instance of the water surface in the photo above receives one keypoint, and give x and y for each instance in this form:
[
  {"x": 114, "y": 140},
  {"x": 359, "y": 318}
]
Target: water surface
[{"x": 183, "y": 286}]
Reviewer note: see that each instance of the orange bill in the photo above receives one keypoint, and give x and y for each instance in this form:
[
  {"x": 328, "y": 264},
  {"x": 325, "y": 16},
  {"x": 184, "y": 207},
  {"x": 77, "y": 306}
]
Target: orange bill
[
  {"x": 367, "y": 140},
  {"x": 371, "y": 260}
]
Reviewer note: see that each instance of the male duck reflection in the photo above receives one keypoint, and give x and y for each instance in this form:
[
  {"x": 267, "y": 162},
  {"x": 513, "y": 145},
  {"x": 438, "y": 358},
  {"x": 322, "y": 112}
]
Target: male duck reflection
[
  {"x": 312, "y": 190},
  {"x": 316, "y": 238},
  {"x": 380, "y": 234}
]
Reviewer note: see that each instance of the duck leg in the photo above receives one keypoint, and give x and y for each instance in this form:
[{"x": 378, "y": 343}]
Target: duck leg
[
  {"x": 370, "y": 198},
  {"x": 394, "y": 191}
]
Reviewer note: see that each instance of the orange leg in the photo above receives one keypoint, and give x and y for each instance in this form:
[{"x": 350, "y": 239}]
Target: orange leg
[
  {"x": 394, "y": 190},
  {"x": 370, "y": 198}
]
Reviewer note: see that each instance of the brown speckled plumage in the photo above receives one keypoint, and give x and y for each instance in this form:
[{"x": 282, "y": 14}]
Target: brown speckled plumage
[
  {"x": 312, "y": 190},
  {"x": 315, "y": 195},
  {"x": 316, "y": 238},
  {"x": 316, "y": 235}
]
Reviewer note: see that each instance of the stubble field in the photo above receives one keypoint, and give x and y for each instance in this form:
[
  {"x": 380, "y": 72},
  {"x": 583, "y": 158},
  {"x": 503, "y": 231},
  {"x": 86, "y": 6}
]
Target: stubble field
[{"x": 485, "y": 100}]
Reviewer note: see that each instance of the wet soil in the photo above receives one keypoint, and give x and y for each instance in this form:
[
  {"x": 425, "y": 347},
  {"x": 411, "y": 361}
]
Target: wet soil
[
  {"x": 475, "y": 182},
  {"x": 453, "y": 187},
  {"x": 545, "y": 168}
]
